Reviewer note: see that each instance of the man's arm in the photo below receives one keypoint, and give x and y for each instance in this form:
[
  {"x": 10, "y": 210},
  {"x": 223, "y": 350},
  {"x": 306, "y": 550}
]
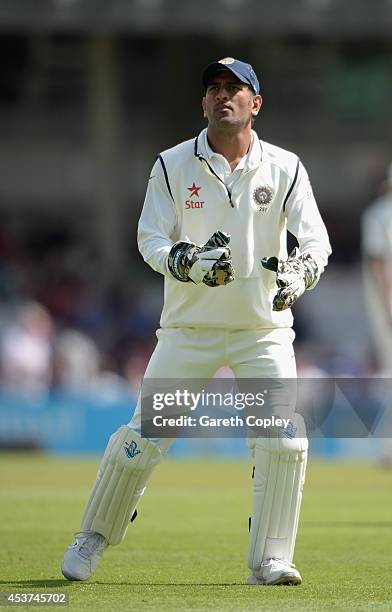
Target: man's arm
[
  {"x": 305, "y": 223},
  {"x": 185, "y": 261},
  {"x": 304, "y": 266},
  {"x": 157, "y": 222}
]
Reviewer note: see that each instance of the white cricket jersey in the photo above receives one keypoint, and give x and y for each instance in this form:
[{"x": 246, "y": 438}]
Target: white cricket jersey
[{"x": 187, "y": 199}]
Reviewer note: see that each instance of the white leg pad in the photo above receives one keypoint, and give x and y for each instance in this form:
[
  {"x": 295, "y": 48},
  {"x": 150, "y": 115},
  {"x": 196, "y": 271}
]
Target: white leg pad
[
  {"x": 278, "y": 480},
  {"x": 122, "y": 476}
]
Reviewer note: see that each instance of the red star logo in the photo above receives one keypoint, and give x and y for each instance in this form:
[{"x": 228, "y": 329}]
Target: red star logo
[{"x": 194, "y": 190}]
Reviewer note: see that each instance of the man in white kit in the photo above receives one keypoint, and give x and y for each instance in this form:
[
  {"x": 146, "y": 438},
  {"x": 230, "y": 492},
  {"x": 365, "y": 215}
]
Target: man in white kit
[
  {"x": 377, "y": 261},
  {"x": 377, "y": 276},
  {"x": 216, "y": 205}
]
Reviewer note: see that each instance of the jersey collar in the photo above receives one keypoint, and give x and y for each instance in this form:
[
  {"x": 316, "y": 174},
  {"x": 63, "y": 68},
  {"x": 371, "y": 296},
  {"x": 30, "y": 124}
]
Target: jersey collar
[{"x": 252, "y": 160}]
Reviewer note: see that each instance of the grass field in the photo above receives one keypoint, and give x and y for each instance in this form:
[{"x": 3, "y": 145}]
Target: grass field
[{"x": 187, "y": 549}]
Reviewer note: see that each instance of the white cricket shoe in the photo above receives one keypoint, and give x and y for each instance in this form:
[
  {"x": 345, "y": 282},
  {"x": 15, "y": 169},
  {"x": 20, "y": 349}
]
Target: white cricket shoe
[
  {"x": 81, "y": 557},
  {"x": 276, "y": 571}
]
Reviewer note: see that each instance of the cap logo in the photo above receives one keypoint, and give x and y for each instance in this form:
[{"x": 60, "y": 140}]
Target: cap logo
[
  {"x": 226, "y": 60},
  {"x": 263, "y": 197}
]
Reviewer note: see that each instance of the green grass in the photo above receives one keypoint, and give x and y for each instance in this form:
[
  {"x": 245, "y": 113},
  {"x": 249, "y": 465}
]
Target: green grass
[{"x": 187, "y": 549}]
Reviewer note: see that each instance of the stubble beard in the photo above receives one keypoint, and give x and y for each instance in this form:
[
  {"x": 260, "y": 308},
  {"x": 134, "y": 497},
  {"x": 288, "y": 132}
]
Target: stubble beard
[{"x": 229, "y": 126}]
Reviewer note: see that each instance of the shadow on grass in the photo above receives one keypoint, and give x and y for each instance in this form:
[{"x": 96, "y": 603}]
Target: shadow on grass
[
  {"x": 66, "y": 583},
  {"x": 176, "y": 584},
  {"x": 49, "y": 583}
]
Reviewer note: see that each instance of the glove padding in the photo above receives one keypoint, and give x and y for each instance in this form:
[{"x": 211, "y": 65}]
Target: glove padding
[
  {"x": 210, "y": 264},
  {"x": 293, "y": 277}
]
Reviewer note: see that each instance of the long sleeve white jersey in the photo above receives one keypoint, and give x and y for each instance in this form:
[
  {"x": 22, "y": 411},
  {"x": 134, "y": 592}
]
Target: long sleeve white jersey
[{"x": 187, "y": 200}]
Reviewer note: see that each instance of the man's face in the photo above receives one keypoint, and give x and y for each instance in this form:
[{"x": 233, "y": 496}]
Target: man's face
[{"x": 229, "y": 104}]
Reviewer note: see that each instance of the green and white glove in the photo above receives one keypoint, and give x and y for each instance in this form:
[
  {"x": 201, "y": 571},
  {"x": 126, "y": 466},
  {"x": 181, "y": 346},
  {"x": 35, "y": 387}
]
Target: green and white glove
[
  {"x": 293, "y": 277},
  {"x": 210, "y": 263}
]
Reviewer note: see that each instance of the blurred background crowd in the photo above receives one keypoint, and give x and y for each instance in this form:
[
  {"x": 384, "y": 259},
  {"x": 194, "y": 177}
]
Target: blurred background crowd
[{"x": 90, "y": 92}]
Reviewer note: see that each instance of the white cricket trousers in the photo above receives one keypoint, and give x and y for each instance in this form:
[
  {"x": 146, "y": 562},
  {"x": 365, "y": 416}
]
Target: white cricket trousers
[{"x": 194, "y": 352}]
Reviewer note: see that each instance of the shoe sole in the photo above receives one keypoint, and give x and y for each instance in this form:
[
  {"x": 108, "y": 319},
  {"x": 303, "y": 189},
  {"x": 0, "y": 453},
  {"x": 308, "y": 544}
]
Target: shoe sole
[{"x": 282, "y": 581}]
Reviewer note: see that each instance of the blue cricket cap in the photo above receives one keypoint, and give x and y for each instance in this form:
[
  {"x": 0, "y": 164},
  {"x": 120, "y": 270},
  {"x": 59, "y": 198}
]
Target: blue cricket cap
[{"x": 243, "y": 71}]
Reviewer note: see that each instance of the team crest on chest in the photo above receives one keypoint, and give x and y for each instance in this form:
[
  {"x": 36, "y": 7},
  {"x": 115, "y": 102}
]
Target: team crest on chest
[{"x": 263, "y": 197}]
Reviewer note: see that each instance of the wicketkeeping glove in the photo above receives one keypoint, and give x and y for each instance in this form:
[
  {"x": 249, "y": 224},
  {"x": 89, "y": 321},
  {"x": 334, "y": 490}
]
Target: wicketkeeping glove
[
  {"x": 210, "y": 263},
  {"x": 293, "y": 277}
]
